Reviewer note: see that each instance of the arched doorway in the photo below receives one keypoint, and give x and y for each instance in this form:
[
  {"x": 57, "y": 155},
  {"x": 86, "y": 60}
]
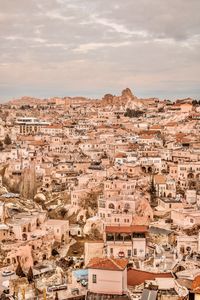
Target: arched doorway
[
  {"x": 29, "y": 227},
  {"x": 37, "y": 223},
  {"x": 62, "y": 238},
  {"x": 8, "y": 261},
  {"x": 24, "y": 236},
  {"x": 111, "y": 206},
  {"x": 144, "y": 169},
  {"x": 126, "y": 207},
  {"x": 190, "y": 176}
]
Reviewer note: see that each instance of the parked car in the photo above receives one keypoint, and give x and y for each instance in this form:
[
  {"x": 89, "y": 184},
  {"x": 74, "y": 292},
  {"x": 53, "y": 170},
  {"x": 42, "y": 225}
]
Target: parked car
[
  {"x": 57, "y": 287},
  {"x": 84, "y": 282},
  {"x": 7, "y": 273},
  {"x": 33, "y": 236}
]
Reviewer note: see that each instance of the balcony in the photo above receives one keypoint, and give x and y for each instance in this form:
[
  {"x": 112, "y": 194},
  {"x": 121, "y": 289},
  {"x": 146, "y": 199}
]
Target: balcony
[{"x": 123, "y": 237}]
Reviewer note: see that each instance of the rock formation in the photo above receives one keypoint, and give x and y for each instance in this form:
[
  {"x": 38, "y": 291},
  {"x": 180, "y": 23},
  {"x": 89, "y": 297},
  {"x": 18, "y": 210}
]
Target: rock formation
[
  {"x": 28, "y": 185},
  {"x": 127, "y": 94}
]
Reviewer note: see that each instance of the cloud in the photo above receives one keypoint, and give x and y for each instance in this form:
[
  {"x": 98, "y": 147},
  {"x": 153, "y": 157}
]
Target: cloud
[
  {"x": 58, "y": 16},
  {"x": 84, "y": 48},
  {"x": 120, "y": 28},
  {"x": 92, "y": 47}
]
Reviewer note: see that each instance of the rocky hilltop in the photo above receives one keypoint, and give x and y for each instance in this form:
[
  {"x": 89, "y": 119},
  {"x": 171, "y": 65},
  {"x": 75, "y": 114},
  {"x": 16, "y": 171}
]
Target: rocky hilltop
[{"x": 127, "y": 99}]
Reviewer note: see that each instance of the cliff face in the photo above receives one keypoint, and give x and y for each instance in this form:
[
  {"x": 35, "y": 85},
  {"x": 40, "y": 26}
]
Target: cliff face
[
  {"x": 28, "y": 186},
  {"x": 25, "y": 184},
  {"x": 11, "y": 182},
  {"x": 127, "y": 99}
]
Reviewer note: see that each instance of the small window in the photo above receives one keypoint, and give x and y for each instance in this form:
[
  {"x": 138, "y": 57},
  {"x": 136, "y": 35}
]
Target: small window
[
  {"x": 111, "y": 251},
  {"x": 94, "y": 278},
  {"x": 135, "y": 251}
]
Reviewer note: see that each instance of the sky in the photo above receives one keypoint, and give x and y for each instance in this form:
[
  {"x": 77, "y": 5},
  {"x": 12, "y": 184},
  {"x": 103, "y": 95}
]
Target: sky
[{"x": 93, "y": 47}]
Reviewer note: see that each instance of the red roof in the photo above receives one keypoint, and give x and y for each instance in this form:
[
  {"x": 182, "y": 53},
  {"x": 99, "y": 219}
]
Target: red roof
[
  {"x": 113, "y": 264},
  {"x": 156, "y": 127},
  {"x": 120, "y": 155},
  {"x": 171, "y": 124},
  {"x": 54, "y": 126},
  {"x": 196, "y": 284},
  {"x": 126, "y": 229},
  {"x": 137, "y": 277}
]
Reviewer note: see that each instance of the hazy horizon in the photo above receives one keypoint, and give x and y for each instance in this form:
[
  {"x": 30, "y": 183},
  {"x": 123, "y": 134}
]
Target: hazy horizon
[{"x": 90, "y": 48}]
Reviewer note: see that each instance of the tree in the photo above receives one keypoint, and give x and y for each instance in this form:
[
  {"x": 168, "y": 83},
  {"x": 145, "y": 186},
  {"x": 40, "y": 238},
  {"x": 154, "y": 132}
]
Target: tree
[
  {"x": 7, "y": 140},
  {"x": 30, "y": 275},
  {"x": 194, "y": 102},
  {"x": 54, "y": 252},
  {"x": 63, "y": 212},
  {"x": 19, "y": 272},
  {"x": 152, "y": 192},
  {"x": 4, "y": 297},
  {"x": 1, "y": 146},
  {"x": 161, "y": 109},
  {"x": 132, "y": 113}
]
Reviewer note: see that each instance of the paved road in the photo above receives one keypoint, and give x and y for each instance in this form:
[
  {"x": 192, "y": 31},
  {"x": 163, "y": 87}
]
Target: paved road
[{"x": 66, "y": 293}]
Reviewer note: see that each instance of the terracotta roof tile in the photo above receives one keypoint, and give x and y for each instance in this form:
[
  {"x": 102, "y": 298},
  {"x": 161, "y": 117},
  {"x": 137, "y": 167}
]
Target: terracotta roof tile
[
  {"x": 126, "y": 229},
  {"x": 115, "y": 264},
  {"x": 196, "y": 284},
  {"x": 156, "y": 127},
  {"x": 120, "y": 155},
  {"x": 54, "y": 126},
  {"x": 137, "y": 277},
  {"x": 171, "y": 124}
]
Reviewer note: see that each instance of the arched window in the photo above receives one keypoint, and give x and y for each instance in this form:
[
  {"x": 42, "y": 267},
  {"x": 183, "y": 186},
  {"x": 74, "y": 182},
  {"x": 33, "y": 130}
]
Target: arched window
[
  {"x": 126, "y": 206},
  {"x": 190, "y": 176},
  {"x": 29, "y": 227},
  {"x": 111, "y": 206}
]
